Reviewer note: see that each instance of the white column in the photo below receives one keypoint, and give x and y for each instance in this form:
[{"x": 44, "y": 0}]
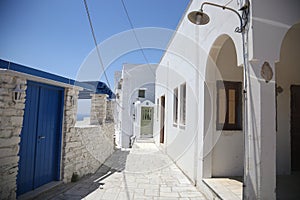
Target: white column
[{"x": 260, "y": 165}]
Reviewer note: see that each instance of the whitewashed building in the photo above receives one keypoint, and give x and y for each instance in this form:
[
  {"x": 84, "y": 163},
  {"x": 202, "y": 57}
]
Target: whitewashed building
[
  {"x": 225, "y": 111},
  {"x": 135, "y": 92}
]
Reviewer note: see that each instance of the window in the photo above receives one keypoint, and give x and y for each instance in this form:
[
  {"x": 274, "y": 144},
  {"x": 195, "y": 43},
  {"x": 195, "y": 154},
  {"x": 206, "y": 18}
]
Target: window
[
  {"x": 141, "y": 93},
  {"x": 157, "y": 109},
  {"x": 182, "y": 103},
  {"x": 119, "y": 86},
  {"x": 229, "y": 105},
  {"x": 147, "y": 113},
  {"x": 175, "y": 106}
]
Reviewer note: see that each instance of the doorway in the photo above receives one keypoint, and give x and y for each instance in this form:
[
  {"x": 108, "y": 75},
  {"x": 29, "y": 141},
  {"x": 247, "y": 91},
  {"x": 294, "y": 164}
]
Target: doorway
[
  {"x": 295, "y": 127},
  {"x": 162, "y": 119},
  {"x": 147, "y": 122},
  {"x": 40, "y": 137}
]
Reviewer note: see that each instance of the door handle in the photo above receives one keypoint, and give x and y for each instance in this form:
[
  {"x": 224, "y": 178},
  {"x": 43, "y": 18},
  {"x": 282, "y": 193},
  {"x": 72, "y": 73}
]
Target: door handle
[{"x": 41, "y": 137}]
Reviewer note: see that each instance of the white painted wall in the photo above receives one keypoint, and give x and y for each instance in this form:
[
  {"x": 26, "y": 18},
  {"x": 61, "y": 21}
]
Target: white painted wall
[
  {"x": 134, "y": 77},
  {"x": 287, "y": 74},
  {"x": 185, "y": 61},
  {"x": 228, "y": 153}
]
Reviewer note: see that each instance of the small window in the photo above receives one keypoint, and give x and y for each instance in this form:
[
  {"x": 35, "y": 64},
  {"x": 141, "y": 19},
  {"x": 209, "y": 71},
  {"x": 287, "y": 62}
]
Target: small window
[
  {"x": 141, "y": 93},
  {"x": 175, "y": 106},
  {"x": 157, "y": 109},
  {"x": 229, "y": 105},
  {"x": 119, "y": 86},
  {"x": 182, "y": 103}
]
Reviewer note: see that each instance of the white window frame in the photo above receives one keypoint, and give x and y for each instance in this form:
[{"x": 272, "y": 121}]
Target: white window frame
[{"x": 182, "y": 104}]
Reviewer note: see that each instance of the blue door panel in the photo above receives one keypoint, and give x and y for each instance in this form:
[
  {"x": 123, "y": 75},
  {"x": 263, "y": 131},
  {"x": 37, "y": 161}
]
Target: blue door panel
[
  {"x": 40, "y": 137},
  {"x": 48, "y": 137},
  {"x": 28, "y": 142}
]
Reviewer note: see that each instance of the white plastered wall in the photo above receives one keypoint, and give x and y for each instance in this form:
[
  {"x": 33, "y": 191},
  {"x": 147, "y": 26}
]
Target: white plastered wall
[
  {"x": 269, "y": 22},
  {"x": 185, "y": 61},
  {"x": 134, "y": 77},
  {"x": 228, "y": 151},
  {"x": 287, "y": 74}
]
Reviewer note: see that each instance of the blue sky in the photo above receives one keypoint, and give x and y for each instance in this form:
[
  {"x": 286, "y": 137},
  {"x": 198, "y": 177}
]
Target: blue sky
[{"x": 54, "y": 35}]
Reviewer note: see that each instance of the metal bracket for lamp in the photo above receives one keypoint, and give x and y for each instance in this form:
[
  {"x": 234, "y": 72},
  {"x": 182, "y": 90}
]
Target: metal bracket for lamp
[{"x": 201, "y": 18}]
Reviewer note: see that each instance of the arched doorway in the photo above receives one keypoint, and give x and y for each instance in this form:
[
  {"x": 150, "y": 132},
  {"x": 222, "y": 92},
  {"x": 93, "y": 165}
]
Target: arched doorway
[
  {"x": 288, "y": 83},
  {"x": 224, "y": 80},
  {"x": 224, "y": 140},
  {"x": 288, "y": 114}
]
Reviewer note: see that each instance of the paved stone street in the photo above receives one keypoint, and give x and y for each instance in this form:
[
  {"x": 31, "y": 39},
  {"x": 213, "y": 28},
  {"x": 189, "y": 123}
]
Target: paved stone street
[{"x": 142, "y": 172}]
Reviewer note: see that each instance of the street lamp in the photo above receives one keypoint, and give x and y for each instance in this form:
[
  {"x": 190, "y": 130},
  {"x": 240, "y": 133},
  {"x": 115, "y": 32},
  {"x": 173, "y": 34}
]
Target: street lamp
[{"x": 201, "y": 18}]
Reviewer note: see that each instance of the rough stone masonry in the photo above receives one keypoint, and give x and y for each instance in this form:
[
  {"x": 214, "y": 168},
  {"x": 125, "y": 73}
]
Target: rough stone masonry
[{"x": 11, "y": 119}]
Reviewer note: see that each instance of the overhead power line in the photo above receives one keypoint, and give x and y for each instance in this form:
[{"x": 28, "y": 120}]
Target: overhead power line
[
  {"x": 95, "y": 42},
  {"x": 136, "y": 37}
]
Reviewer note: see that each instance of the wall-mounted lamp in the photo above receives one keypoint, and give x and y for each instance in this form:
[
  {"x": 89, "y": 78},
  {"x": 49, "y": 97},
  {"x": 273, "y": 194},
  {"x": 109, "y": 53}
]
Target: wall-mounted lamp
[
  {"x": 201, "y": 18},
  {"x": 72, "y": 100},
  {"x": 17, "y": 92}
]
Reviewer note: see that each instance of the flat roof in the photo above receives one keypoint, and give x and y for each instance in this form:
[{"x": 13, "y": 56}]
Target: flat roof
[{"x": 93, "y": 86}]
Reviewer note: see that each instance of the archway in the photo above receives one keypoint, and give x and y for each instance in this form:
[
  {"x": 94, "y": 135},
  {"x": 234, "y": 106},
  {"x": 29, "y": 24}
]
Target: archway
[
  {"x": 223, "y": 142},
  {"x": 287, "y": 80},
  {"x": 288, "y": 112}
]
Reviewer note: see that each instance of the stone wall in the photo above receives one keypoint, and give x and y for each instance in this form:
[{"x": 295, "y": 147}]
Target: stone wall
[
  {"x": 98, "y": 109},
  {"x": 11, "y": 119},
  {"x": 70, "y": 111},
  {"x": 87, "y": 146},
  {"x": 110, "y": 111},
  {"x": 84, "y": 149}
]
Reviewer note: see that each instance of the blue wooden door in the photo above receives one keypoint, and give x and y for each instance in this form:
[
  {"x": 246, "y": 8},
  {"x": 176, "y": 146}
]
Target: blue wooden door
[{"x": 40, "y": 137}]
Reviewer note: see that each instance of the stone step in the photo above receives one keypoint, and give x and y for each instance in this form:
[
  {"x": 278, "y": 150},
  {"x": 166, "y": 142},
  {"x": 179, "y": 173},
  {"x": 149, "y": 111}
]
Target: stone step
[{"x": 145, "y": 140}]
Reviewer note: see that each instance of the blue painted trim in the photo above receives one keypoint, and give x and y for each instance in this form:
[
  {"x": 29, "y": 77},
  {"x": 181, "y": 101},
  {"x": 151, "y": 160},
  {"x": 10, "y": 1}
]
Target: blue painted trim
[
  {"x": 100, "y": 88},
  {"x": 35, "y": 72}
]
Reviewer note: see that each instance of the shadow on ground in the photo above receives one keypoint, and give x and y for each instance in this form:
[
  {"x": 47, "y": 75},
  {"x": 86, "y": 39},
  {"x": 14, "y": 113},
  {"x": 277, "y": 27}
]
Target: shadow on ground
[{"x": 87, "y": 184}]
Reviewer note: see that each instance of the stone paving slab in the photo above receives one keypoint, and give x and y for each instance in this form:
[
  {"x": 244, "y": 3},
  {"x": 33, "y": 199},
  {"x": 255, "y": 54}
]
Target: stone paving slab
[
  {"x": 226, "y": 188},
  {"x": 143, "y": 172}
]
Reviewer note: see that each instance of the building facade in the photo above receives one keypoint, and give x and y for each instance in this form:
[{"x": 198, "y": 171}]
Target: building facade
[
  {"x": 134, "y": 85},
  {"x": 226, "y": 101},
  {"x": 39, "y": 142}
]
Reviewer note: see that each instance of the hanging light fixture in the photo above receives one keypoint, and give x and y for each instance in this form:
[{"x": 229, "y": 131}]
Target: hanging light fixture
[
  {"x": 17, "y": 92},
  {"x": 201, "y": 18}
]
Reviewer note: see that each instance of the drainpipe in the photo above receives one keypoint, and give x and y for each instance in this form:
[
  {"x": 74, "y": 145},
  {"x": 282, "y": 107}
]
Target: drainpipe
[{"x": 196, "y": 112}]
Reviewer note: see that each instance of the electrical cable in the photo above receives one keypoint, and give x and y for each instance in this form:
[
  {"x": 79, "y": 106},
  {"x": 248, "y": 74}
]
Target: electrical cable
[
  {"x": 136, "y": 37},
  {"x": 95, "y": 42}
]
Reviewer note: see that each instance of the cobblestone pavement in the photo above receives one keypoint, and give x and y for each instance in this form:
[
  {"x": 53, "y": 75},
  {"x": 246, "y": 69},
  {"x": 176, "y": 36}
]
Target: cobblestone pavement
[{"x": 142, "y": 172}]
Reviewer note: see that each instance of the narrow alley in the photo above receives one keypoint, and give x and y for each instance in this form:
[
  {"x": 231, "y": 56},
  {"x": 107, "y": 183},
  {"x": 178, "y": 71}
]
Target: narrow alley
[{"x": 143, "y": 172}]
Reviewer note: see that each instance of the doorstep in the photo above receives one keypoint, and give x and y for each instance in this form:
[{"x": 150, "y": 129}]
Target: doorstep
[
  {"x": 225, "y": 188},
  {"x": 32, "y": 194}
]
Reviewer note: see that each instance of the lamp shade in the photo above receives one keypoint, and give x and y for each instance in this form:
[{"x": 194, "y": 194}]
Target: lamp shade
[{"x": 198, "y": 17}]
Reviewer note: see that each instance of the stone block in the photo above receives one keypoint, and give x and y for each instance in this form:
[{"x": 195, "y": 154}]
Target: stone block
[
  {"x": 9, "y": 151},
  {"x": 6, "y": 79},
  {"x": 9, "y": 160},
  {"x": 7, "y": 142}
]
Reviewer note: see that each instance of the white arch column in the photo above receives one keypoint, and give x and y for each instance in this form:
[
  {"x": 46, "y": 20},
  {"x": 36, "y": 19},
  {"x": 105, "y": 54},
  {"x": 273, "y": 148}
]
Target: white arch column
[{"x": 260, "y": 154}]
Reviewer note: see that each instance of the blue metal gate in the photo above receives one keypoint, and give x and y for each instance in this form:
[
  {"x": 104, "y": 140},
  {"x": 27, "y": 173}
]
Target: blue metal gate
[{"x": 40, "y": 137}]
